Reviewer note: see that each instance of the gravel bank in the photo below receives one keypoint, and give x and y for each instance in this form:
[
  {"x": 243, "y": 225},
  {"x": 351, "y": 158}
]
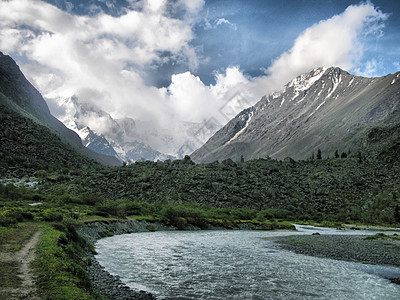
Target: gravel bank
[
  {"x": 112, "y": 287},
  {"x": 342, "y": 247}
]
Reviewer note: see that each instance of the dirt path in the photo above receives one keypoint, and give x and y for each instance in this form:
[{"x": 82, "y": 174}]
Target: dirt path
[{"x": 21, "y": 260}]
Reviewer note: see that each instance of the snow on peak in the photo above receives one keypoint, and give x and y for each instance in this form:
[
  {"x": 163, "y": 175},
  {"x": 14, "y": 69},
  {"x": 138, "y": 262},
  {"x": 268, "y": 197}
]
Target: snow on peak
[
  {"x": 243, "y": 129},
  {"x": 305, "y": 81},
  {"x": 336, "y": 81}
]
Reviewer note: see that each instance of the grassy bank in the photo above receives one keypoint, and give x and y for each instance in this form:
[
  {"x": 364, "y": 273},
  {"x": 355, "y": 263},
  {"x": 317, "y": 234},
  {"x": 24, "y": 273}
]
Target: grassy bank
[{"x": 59, "y": 268}]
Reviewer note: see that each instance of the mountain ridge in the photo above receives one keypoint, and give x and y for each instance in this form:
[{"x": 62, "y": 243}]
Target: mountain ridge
[{"x": 325, "y": 109}]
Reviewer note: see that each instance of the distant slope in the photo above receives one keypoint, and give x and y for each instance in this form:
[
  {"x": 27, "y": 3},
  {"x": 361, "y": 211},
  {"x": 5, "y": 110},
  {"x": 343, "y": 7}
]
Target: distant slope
[
  {"x": 327, "y": 109},
  {"x": 18, "y": 95}
]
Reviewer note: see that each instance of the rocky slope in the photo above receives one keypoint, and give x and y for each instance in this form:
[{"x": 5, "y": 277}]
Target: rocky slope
[{"x": 327, "y": 109}]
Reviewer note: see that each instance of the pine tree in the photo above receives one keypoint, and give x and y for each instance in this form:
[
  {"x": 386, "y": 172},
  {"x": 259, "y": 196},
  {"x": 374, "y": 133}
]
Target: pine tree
[
  {"x": 397, "y": 214},
  {"x": 319, "y": 154},
  {"x": 337, "y": 154}
]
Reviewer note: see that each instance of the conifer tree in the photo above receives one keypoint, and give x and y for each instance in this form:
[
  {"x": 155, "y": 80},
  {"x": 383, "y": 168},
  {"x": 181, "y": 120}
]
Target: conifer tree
[{"x": 319, "y": 154}]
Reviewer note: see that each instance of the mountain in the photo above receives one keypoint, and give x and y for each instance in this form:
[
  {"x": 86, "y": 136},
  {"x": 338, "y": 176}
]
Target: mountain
[
  {"x": 95, "y": 142},
  {"x": 327, "y": 109},
  {"x": 25, "y": 112},
  {"x": 100, "y": 132},
  {"x": 128, "y": 139}
]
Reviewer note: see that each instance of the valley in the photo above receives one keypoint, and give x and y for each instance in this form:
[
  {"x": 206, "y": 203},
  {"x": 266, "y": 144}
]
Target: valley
[{"x": 50, "y": 181}]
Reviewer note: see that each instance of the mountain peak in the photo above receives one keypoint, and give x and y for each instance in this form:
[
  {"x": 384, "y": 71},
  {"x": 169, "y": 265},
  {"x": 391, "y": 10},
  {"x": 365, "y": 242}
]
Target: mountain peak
[{"x": 323, "y": 109}]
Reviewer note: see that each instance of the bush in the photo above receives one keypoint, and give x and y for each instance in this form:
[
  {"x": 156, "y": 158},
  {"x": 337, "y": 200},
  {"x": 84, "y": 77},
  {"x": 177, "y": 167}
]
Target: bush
[
  {"x": 179, "y": 216},
  {"x": 51, "y": 215},
  {"x": 10, "y": 217},
  {"x": 274, "y": 213}
]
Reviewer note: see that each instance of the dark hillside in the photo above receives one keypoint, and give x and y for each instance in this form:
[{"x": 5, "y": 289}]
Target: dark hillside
[
  {"x": 361, "y": 186},
  {"x": 27, "y": 146}
]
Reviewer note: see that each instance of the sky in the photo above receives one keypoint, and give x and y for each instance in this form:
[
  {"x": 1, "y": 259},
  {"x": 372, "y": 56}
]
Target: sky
[{"x": 171, "y": 61}]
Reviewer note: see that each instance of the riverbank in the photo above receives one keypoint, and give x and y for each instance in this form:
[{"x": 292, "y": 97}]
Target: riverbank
[{"x": 377, "y": 251}]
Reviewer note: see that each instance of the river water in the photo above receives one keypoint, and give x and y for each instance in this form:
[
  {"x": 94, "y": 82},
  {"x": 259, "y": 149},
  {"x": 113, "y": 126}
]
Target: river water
[{"x": 237, "y": 265}]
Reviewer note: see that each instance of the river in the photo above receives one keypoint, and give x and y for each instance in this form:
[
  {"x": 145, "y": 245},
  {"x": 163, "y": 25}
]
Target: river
[{"x": 237, "y": 265}]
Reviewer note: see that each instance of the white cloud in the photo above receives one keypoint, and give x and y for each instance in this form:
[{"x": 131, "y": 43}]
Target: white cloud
[
  {"x": 102, "y": 53},
  {"x": 221, "y": 21},
  {"x": 370, "y": 68},
  {"x": 102, "y": 58},
  {"x": 333, "y": 42},
  {"x": 193, "y": 101}
]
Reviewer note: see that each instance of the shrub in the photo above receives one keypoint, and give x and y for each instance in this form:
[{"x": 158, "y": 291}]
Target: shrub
[
  {"x": 179, "y": 216},
  {"x": 10, "y": 217},
  {"x": 51, "y": 215}
]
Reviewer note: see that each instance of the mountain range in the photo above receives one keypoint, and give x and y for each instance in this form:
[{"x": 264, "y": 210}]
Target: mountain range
[
  {"x": 327, "y": 109},
  {"x": 128, "y": 139}
]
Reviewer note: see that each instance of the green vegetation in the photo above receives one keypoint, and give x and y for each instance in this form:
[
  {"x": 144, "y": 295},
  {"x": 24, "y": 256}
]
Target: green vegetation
[
  {"x": 383, "y": 236},
  {"x": 336, "y": 190},
  {"x": 60, "y": 272},
  {"x": 362, "y": 186},
  {"x": 27, "y": 147}
]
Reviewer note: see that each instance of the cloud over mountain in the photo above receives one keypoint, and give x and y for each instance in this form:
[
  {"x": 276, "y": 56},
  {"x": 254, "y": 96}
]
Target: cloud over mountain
[{"x": 104, "y": 59}]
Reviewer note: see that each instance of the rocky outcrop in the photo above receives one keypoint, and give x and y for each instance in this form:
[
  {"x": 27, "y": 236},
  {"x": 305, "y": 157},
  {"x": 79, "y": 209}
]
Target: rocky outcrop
[{"x": 93, "y": 231}]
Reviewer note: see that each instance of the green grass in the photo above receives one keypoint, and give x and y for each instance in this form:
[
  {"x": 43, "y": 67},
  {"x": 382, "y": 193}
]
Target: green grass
[
  {"x": 9, "y": 274},
  {"x": 12, "y": 238},
  {"x": 148, "y": 218},
  {"x": 59, "y": 276}
]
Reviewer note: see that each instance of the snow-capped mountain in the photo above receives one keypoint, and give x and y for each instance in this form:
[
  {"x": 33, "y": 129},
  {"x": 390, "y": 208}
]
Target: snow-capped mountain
[
  {"x": 128, "y": 139},
  {"x": 325, "y": 109},
  {"x": 102, "y": 133},
  {"x": 95, "y": 142}
]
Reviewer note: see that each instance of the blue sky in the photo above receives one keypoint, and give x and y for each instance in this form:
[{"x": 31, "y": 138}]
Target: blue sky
[
  {"x": 265, "y": 29},
  {"x": 178, "y": 60},
  {"x": 251, "y": 34}
]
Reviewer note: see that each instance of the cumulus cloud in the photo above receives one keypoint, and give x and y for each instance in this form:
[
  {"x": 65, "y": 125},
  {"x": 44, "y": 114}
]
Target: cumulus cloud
[
  {"x": 333, "y": 42},
  {"x": 103, "y": 53},
  {"x": 191, "y": 100}
]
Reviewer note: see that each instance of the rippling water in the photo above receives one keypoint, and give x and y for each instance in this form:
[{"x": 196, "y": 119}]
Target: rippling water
[{"x": 236, "y": 265}]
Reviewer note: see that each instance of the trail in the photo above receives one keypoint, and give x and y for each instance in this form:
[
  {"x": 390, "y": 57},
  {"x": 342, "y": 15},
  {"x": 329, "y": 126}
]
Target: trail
[{"x": 23, "y": 258}]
